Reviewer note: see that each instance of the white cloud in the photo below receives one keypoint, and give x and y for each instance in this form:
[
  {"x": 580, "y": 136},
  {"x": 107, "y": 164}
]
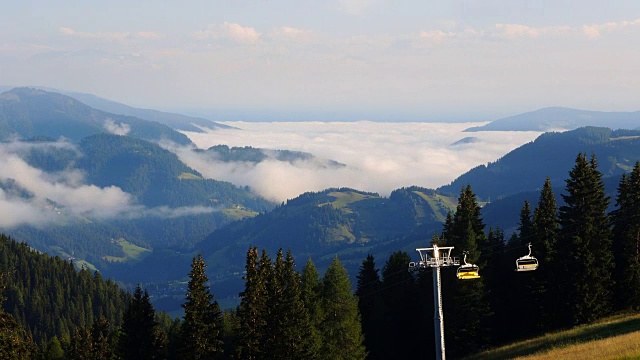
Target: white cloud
[
  {"x": 518, "y": 30},
  {"x": 288, "y": 33},
  {"x": 109, "y": 36},
  {"x": 381, "y": 157},
  {"x": 232, "y": 31},
  {"x": 116, "y": 129},
  {"x": 94, "y": 35},
  {"x": 595, "y": 31},
  {"x": 33, "y": 196}
]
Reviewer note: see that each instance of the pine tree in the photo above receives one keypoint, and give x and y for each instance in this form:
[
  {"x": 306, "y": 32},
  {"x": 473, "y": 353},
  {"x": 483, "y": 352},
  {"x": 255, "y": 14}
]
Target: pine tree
[
  {"x": 626, "y": 237},
  {"x": 252, "y": 312},
  {"x": 522, "y": 283},
  {"x": 545, "y": 227},
  {"x": 585, "y": 244},
  {"x": 525, "y": 226},
  {"x": 400, "y": 307},
  {"x": 497, "y": 277},
  {"x": 53, "y": 350},
  {"x": 139, "y": 335},
  {"x": 369, "y": 304},
  {"x": 200, "y": 332},
  {"x": 310, "y": 294},
  {"x": 293, "y": 331},
  {"x": 466, "y": 308},
  {"x": 340, "y": 327}
]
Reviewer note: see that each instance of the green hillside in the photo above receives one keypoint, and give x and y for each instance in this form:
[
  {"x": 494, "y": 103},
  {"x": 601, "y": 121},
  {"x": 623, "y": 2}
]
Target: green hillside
[
  {"x": 550, "y": 155},
  {"x": 616, "y": 337},
  {"x": 343, "y": 222}
]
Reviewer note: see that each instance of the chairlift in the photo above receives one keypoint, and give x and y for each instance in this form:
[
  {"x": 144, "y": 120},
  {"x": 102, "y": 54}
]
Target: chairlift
[
  {"x": 527, "y": 262},
  {"x": 468, "y": 271}
]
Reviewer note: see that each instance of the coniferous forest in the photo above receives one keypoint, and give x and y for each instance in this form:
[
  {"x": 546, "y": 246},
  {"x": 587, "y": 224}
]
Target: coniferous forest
[{"x": 589, "y": 267}]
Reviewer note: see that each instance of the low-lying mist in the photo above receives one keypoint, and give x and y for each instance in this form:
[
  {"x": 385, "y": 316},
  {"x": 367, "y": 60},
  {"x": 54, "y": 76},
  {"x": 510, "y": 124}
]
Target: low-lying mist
[{"x": 380, "y": 157}]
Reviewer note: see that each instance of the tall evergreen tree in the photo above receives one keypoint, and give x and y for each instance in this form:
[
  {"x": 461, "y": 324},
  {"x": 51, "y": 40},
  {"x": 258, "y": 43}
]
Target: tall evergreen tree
[
  {"x": 545, "y": 228},
  {"x": 294, "y": 337},
  {"x": 496, "y": 276},
  {"x": 200, "y": 332},
  {"x": 310, "y": 295},
  {"x": 400, "y": 308},
  {"x": 139, "y": 337},
  {"x": 340, "y": 328},
  {"x": 466, "y": 308},
  {"x": 626, "y": 237},
  {"x": 252, "y": 312},
  {"x": 585, "y": 244},
  {"x": 525, "y": 227},
  {"x": 369, "y": 304},
  {"x": 521, "y": 284}
]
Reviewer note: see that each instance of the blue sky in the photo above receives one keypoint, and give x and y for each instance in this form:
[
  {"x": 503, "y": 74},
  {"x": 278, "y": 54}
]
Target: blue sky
[{"x": 333, "y": 59}]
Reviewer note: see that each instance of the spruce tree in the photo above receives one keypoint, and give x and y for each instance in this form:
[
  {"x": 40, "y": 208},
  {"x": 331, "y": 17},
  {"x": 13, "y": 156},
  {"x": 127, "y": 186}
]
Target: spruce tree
[
  {"x": 525, "y": 227},
  {"x": 293, "y": 330},
  {"x": 467, "y": 310},
  {"x": 139, "y": 336},
  {"x": 310, "y": 295},
  {"x": 497, "y": 276},
  {"x": 545, "y": 228},
  {"x": 584, "y": 245},
  {"x": 369, "y": 304},
  {"x": 626, "y": 237},
  {"x": 200, "y": 331},
  {"x": 252, "y": 312},
  {"x": 340, "y": 327},
  {"x": 522, "y": 283},
  {"x": 400, "y": 308}
]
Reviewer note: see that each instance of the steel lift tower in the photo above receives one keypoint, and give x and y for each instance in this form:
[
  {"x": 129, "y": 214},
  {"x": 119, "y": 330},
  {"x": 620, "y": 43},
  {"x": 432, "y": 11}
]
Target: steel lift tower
[{"x": 436, "y": 257}]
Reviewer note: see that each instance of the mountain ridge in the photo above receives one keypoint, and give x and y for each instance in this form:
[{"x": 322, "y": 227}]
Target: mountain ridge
[{"x": 561, "y": 118}]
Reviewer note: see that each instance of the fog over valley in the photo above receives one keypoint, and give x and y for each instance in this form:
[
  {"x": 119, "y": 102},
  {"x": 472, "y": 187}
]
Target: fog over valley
[{"x": 380, "y": 157}]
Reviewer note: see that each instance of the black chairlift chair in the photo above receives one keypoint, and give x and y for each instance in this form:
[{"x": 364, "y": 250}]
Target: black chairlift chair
[
  {"x": 527, "y": 262},
  {"x": 468, "y": 271}
]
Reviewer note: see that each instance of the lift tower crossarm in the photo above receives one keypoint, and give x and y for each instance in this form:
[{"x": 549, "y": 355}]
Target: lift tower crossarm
[{"x": 436, "y": 257}]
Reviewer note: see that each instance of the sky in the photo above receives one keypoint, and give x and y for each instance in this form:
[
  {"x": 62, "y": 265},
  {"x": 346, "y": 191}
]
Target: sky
[{"x": 330, "y": 60}]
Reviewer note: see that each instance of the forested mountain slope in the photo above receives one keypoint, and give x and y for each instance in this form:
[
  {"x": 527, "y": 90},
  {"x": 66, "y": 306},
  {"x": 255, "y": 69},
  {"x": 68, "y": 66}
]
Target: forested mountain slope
[
  {"x": 550, "y": 155},
  {"x": 26, "y": 112},
  {"x": 335, "y": 221},
  {"x": 49, "y": 297},
  {"x": 176, "y": 207}
]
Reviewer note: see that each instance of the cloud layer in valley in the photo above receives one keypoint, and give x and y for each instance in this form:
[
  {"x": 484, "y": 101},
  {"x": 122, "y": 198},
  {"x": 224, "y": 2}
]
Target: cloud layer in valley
[
  {"x": 380, "y": 157},
  {"x": 29, "y": 195}
]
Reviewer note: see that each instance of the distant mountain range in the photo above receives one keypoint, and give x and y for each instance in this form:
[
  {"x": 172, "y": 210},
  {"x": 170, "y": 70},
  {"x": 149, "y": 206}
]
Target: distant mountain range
[
  {"x": 173, "y": 120},
  {"x": 559, "y": 118},
  {"x": 27, "y": 112}
]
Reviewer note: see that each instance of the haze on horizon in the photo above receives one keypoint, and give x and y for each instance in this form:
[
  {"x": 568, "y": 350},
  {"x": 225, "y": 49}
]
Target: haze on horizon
[{"x": 462, "y": 60}]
